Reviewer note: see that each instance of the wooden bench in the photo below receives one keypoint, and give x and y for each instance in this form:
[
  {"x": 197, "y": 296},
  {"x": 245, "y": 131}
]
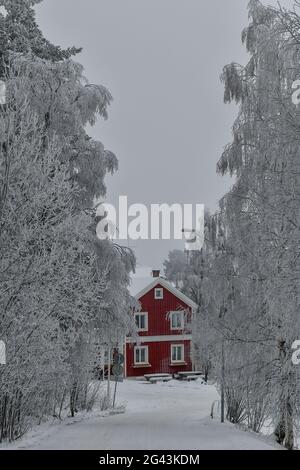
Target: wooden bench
[
  {"x": 189, "y": 378},
  {"x": 153, "y": 378},
  {"x": 190, "y": 375}
]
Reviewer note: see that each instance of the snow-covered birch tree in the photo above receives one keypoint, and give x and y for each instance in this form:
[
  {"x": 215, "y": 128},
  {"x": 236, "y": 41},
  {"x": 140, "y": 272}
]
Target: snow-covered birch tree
[
  {"x": 251, "y": 289},
  {"x": 61, "y": 289}
]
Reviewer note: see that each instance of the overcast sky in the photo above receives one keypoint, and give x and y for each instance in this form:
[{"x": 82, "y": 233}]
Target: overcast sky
[{"x": 161, "y": 60}]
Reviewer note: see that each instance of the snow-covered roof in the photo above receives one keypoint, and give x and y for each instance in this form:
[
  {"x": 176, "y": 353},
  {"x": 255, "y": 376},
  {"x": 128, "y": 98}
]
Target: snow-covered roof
[{"x": 143, "y": 282}]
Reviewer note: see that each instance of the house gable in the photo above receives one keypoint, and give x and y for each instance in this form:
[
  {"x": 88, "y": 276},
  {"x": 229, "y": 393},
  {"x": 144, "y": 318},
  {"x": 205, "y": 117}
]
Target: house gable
[
  {"x": 159, "y": 311},
  {"x": 160, "y": 282}
]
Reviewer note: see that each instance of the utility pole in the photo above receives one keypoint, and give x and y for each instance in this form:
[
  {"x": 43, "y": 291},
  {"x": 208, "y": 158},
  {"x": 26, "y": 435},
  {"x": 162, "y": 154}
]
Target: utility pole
[
  {"x": 108, "y": 373},
  {"x": 222, "y": 384}
]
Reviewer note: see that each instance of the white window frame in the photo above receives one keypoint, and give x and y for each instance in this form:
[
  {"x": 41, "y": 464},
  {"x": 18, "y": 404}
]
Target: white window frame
[
  {"x": 172, "y": 314},
  {"x": 146, "y": 348},
  {"x": 177, "y": 361},
  {"x": 144, "y": 314},
  {"x": 156, "y": 296}
]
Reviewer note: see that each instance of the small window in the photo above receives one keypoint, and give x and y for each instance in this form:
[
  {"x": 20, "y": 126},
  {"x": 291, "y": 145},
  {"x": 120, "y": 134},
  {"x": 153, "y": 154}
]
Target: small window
[
  {"x": 141, "y": 355},
  {"x": 177, "y": 353},
  {"x": 177, "y": 320},
  {"x": 159, "y": 293},
  {"x": 141, "y": 320}
]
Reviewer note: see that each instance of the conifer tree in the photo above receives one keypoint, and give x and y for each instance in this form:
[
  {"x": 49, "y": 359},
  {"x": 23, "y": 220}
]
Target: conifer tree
[{"x": 20, "y": 33}]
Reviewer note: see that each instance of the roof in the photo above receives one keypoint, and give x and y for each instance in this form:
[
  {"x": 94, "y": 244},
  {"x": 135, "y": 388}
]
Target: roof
[{"x": 141, "y": 285}]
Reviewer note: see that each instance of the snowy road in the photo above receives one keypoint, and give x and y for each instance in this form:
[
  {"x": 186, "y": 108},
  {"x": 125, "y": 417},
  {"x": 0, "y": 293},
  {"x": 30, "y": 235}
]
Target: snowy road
[{"x": 162, "y": 416}]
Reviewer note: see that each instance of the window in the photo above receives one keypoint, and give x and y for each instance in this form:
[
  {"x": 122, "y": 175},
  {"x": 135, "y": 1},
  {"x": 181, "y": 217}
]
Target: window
[
  {"x": 141, "y": 355},
  {"x": 177, "y": 321},
  {"x": 141, "y": 320},
  {"x": 159, "y": 293},
  {"x": 177, "y": 353}
]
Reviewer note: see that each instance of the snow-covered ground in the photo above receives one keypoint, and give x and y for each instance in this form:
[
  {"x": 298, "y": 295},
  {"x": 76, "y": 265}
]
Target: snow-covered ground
[{"x": 172, "y": 415}]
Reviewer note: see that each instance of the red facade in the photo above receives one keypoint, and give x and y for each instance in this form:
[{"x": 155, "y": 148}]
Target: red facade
[{"x": 166, "y": 345}]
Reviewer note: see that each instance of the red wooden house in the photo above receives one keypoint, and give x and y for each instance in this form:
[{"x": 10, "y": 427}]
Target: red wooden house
[{"x": 165, "y": 340}]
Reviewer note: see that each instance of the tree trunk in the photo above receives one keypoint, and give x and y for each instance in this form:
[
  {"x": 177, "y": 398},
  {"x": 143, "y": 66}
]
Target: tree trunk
[
  {"x": 289, "y": 428},
  {"x": 280, "y": 430}
]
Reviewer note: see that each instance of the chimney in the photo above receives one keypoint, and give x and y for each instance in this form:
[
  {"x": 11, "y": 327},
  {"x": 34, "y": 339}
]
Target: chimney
[{"x": 155, "y": 273}]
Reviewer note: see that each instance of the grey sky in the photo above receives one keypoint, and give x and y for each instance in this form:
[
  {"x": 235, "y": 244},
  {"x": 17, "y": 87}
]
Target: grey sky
[{"x": 161, "y": 60}]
